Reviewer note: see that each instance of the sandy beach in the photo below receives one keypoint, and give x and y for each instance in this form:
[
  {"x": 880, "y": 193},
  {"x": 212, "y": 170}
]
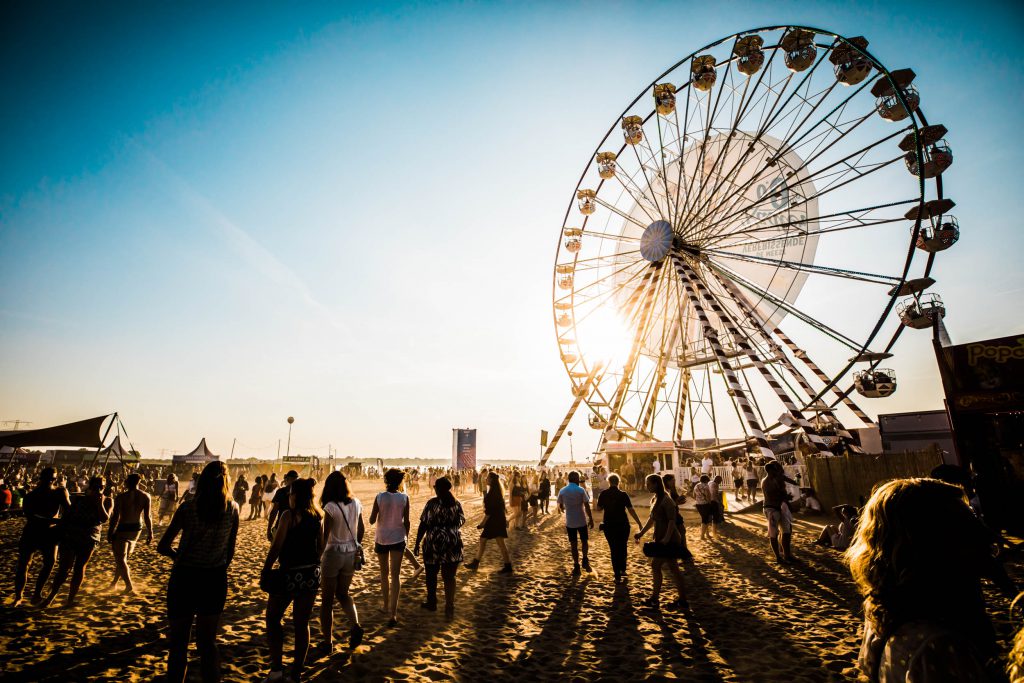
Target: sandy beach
[{"x": 750, "y": 620}]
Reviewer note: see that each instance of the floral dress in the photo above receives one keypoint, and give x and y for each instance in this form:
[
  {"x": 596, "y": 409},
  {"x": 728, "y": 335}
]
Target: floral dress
[{"x": 442, "y": 540}]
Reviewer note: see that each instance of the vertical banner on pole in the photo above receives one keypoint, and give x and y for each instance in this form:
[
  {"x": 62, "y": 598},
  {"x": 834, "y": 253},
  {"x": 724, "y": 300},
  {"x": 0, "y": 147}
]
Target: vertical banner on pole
[
  {"x": 543, "y": 438},
  {"x": 463, "y": 449}
]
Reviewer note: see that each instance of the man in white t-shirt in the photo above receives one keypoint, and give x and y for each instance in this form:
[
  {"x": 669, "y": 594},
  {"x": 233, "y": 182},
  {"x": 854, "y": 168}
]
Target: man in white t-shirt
[
  {"x": 706, "y": 464},
  {"x": 657, "y": 466}
]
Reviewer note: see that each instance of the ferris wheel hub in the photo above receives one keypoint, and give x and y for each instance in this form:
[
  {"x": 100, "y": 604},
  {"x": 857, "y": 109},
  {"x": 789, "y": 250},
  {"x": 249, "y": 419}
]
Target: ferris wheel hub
[{"x": 656, "y": 241}]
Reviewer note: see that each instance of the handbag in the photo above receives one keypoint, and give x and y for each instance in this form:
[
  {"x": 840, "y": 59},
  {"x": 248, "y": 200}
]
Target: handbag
[
  {"x": 272, "y": 581},
  {"x": 360, "y": 559},
  {"x": 662, "y": 550}
]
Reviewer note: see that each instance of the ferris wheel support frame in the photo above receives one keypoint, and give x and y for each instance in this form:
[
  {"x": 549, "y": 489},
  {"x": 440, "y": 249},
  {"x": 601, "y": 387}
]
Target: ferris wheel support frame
[
  {"x": 687, "y": 276},
  {"x": 762, "y": 326}
]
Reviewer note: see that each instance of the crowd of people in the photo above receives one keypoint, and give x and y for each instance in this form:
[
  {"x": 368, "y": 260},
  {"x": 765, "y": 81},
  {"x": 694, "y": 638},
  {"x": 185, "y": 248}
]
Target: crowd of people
[{"x": 913, "y": 541}]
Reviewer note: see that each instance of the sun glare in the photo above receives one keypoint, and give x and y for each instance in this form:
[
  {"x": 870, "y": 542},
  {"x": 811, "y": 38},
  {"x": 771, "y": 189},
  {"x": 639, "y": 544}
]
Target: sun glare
[{"x": 604, "y": 338}]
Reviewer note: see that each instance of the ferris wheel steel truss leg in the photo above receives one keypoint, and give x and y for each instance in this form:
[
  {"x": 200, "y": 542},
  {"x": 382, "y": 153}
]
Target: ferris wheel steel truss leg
[
  {"x": 762, "y": 326},
  {"x": 659, "y": 377},
  {"x": 634, "y": 352},
  {"x": 684, "y": 390},
  {"x": 743, "y": 342},
  {"x": 581, "y": 392},
  {"x": 687, "y": 275}
]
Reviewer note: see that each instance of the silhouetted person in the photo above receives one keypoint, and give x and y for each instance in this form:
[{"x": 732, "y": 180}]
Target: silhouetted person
[
  {"x": 131, "y": 510},
  {"x": 81, "y": 532},
  {"x": 198, "y": 586},
  {"x": 615, "y": 503},
  {"x": 42, "y": 506},
  {"x": 574, "y": 500},
  {"x": 667, "y": 546},
  {"x": 494, "y": 524},
  {"x": 777, "y": 512}
]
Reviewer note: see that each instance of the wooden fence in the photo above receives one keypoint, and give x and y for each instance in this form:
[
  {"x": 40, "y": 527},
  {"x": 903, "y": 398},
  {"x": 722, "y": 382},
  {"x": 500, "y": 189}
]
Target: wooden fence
[{"x": 847, "y": 479}]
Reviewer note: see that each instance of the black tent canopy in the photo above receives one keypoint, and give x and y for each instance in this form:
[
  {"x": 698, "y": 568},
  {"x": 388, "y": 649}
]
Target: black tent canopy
[{"x": 81, "y": 434}]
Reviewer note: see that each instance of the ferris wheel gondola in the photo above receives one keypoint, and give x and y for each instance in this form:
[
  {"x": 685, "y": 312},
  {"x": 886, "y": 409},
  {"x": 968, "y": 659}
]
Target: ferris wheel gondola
[{"x": 744, "y": 214}]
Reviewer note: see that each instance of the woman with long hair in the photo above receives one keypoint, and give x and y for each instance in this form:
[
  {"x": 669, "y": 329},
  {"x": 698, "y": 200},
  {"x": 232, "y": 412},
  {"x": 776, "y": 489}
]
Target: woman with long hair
[
  {"x": 297, "y": 546},
  {"x": 494, "y": 524},
  {"x": 518, "y": 494},
  {"x": 198, "y": 586},
  {"x": 343, "y": 536},
  {"x": 256, "y": 497},
  {"x": 391, "y": 515},
  {"x": 667, "y": 543},
  {"x": 918, "y": 556},
  {"x": 441, "y": 538}
]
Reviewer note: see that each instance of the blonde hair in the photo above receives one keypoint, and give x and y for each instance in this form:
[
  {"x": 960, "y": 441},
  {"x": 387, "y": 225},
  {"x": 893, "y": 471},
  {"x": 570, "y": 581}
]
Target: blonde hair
[{"x": 914, "y": 536}]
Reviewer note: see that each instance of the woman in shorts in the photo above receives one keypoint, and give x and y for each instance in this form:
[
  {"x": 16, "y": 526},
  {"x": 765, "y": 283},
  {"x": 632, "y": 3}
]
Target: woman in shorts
[
  {"x": 391, "y": 515},
  {"x": 198, "y": 587},
  {"x": 297, "y": 547},
  {"x": 81, "y": 530},
  {"x": 343, "y": 535}
]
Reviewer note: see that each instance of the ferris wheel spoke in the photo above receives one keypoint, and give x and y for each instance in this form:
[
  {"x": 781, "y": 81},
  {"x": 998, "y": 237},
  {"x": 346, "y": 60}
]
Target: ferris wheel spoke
[
  {"x": 619, "y": 212},
  {"x": 712, "y": 112},
  {"x": 786, "y": 306},
  {"x": 849, "y": 217},
  {"x": 739, "y": 194},
  {"x": 643, "y": 170},
  {"x": 802, "y": 202},
  {"x": 640, "y": 198},
  {"x": 811, "y": 268}
]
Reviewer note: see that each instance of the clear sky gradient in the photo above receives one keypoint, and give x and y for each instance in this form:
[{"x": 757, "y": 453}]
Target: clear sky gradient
[{"x": 213, "y": 217}]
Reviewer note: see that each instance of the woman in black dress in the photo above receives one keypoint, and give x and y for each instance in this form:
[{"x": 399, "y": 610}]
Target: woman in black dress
[
  {"x": 441, "y": 538},
  {"x": 297, "y": 545},
  {"x": 494, "y": 525}
]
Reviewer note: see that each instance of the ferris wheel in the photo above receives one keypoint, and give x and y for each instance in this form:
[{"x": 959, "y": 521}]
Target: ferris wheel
[{"x": 733, "y": 251}]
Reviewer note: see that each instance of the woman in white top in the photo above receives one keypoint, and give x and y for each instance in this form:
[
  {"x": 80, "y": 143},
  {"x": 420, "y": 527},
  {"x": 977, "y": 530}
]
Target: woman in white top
[
  {"x": 391, "y": 515},
  {"x": 343, "y": 536}
]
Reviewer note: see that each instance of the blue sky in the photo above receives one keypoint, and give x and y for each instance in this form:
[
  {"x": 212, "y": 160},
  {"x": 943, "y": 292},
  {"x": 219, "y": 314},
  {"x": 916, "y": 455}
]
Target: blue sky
[{"x": 214, "y": 217}]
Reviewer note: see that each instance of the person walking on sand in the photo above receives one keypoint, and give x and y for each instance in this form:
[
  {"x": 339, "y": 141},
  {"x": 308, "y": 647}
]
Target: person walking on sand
[
  {"x": 81, "y": 532},
  {"x": 279, "y": 503},
  {"x": 342, "y": 541},
  {"x": 168, "y": 498},
  {"x": 42, "y": 507},
  {"x": 776, "y": 510},
  {"x": 439, "y": 534},
  {"x": 198, "y": 586},
  {"x": 666, "y": 543},
  {"x": 615, "y": 503},
  {"x": 256, "y": 497},
  {"x": 544, "y": 493},
  {"x": 297, "y": 547},
  {"x": 669, "y": 480},
  {"x": 131, "y": 509},
  {"x": 391, "y": 515},
  {"x": 705, "y": 503},
  {"x": 240, "y": 491},
  {"x": 494, "y": 524},
  {"x": 574, "y": 501},
  {"x": 750, "y": 472},
  {"x": 737, "y": 481}
]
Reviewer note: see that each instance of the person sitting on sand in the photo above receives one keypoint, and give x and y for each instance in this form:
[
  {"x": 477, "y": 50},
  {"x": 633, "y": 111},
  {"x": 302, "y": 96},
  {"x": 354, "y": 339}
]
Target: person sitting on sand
[
  {"x": 198, "y": 585},
  {"x": 777, "y": 512},
  {"x": 343, "y": 536},
  {"x": 391, "y": 515},
  {"x": 667, "y": 543},
  {"x": 81, "y": 532},
  {"x": 131, "y": 509},
  {"x": 494, "y": 524},
  {"x": 615, "y": 503},
  {"x": 297, "y": 545},
  {"x": 168, "y": 499},
  {"x": 42, "y": 507},
  {"x": 839, "y": 536},
  {"x": 574, "y": 501},
  {"x": 439, "y": 534},
  {"x": 917, "y": 557}
]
